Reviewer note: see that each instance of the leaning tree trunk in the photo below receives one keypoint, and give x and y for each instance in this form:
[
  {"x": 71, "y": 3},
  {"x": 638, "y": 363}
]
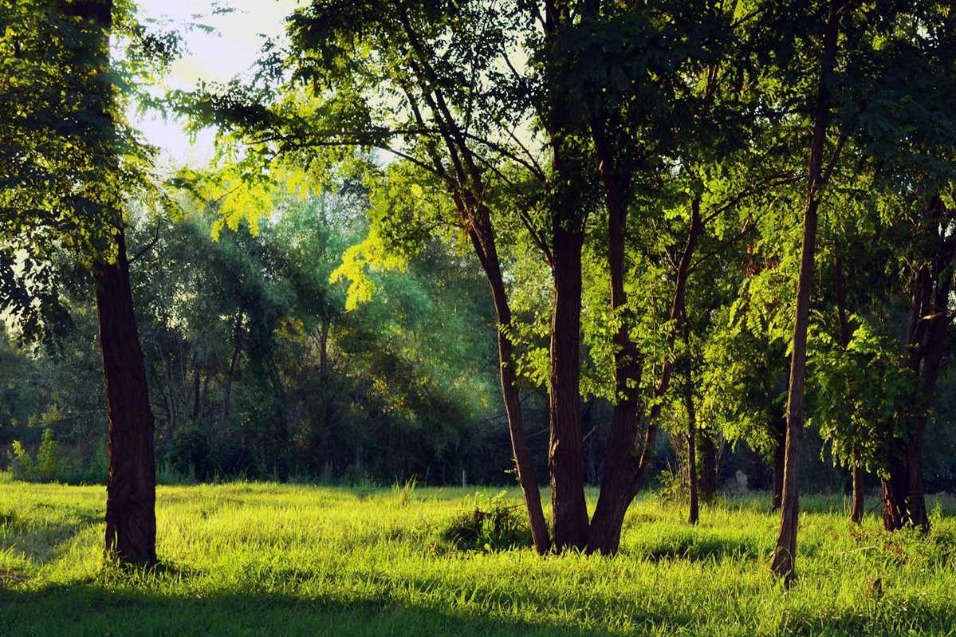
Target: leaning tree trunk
[
  {"x": 131, "y": 481},
  {"x": 785, "y": 551},
  {"x": 779, "y": 460},
  {"x": 131, "y": 484},
  {"x": 482, "y": 236}
]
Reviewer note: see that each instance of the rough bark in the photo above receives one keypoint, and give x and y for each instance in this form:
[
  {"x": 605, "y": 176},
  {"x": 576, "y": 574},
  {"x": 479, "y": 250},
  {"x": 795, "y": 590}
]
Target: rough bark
[
  {"x": 131, "y": 483},
  {"x": 566, "y": 449},
  {"x": 785, "y": 551},
  {"x": 904, "y": 500}
]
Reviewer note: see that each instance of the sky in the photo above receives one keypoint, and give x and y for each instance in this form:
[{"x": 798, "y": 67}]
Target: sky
[{"x": 229, "y": 50}]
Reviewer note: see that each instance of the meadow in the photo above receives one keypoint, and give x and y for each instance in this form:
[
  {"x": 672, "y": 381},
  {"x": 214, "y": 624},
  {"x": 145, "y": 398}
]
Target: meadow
[{"x": 270, "y": 559}]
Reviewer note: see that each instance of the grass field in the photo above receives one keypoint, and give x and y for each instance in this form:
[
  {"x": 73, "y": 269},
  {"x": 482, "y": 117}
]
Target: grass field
[{"x": 266, "y": 559}]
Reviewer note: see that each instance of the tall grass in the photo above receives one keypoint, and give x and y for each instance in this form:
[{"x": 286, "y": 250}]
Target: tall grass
[{"x": 296, "y": 560}]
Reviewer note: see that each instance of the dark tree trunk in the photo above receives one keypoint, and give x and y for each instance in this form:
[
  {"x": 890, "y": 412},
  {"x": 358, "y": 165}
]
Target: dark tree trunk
[
  {"x": 566, "y": 453},
  {"x": 904, "y": 500},
  {"x": 785, "y": 551},
  {"x": 779, "y": 459},
  {"x": 131, "y": 484},
  {"x": 131, "y": 481},
  {"x": 859, "y": 494},
  {"x": 707, "y": 450},
  {"x": 694, "y": 512},
  {"x": 482, "y": 236},
  {"x": 621, "y": 463},
  {"x": 197, "y": 393}
]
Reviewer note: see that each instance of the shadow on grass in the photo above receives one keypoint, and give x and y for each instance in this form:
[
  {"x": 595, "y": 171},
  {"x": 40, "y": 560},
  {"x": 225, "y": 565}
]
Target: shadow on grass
[
  {"x": 40, "y": 539},
  {"x": 91, "y": 610}
]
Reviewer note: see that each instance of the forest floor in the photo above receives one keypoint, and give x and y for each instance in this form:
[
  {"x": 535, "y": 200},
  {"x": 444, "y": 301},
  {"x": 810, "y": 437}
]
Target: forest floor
[{"x": 267, "y": 559}]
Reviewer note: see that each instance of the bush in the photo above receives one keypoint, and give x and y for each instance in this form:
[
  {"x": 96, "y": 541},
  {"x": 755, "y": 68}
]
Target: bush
[{"x": 496, "y": 528}]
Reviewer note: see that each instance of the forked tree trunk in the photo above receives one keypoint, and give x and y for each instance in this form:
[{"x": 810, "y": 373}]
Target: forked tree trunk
[
  {"x": 785, "y": 551},
  {"x": 131, "y": 484},
  {"x": 904, "y": 500}
]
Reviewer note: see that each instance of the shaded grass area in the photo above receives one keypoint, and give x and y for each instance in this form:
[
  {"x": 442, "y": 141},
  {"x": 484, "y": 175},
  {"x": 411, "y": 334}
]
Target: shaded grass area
[{"x": 265, "y": 559}]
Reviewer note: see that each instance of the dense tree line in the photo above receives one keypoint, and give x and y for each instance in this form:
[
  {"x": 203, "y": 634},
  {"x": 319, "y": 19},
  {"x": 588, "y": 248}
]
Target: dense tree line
[{"x": 723, "y": 220}]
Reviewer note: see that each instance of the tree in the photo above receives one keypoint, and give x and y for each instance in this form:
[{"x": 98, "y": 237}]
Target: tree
[{"x": 65, "y": 164}]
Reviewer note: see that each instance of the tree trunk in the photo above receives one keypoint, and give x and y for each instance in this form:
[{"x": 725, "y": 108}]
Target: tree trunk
[
  {"x": 779, "y": 459},
  {"x": 785, "y": 551},
  {"x": 694, "y": 512},
  {"x": 859, "y": 494},
  {"x": 621, "y": 464},
  {"x": 566, "y": 453},
  {"x": 482, "y": 236},
  {"x": 707, "y": 450},
  {"x": 131, "y": 481},
  {"x": 131, "y": 484}
]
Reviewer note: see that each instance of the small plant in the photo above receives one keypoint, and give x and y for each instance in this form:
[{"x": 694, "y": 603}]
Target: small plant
[
  {"x": 673, "y": 489},
  {"x": 496, "y": 527},
  {"x": 22, "y": 465},
  {"x": 406, "y": 491},
  {"x": 49, "y": 465}
]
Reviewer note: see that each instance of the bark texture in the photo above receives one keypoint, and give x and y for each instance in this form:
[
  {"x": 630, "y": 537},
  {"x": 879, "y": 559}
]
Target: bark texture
[{"x": 131, "y": 484}]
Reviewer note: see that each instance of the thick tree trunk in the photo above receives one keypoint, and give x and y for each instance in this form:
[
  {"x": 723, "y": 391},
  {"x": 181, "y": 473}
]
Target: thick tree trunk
[
  {"x": 566, "y": 453},
  {"x": 131, "y": 484},
  {"x": 785, "y": 551}
]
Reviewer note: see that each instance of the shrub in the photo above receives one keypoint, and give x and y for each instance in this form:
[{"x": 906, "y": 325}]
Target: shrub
[
  {"x": 497, "y": 527},
  {"x": 49, "y": 466}
]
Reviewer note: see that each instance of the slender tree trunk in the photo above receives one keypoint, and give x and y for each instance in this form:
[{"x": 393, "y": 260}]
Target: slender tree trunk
[
  {"x": 566, "y": 453},
  {"x": 785, "y": 552},
  {"x": 707, "y": 449},
  {"x": 231, "y": 372},
  {"x": 779, "y": 459},
  {"x": 688, "y": 391},
  {"x": 482, "y": 236},
  {"x": 859, "y": 493},
  {"x": 131, "y": 484}
]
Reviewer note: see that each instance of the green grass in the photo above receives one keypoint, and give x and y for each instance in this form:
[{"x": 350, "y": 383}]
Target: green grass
[{"x": 266, "y": 559}]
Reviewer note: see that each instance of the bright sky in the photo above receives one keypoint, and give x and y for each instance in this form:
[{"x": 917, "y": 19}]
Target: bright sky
[{"x": 214, "y": 57}]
